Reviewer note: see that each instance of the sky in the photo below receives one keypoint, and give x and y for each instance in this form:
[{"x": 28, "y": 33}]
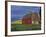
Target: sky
[{"x": 18, "y": 12}]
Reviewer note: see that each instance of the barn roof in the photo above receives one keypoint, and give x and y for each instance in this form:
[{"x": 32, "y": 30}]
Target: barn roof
[{"x": 30, "y": 14}]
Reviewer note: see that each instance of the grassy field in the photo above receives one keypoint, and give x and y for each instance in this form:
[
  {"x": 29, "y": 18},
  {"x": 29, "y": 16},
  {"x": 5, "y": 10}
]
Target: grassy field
[
  {"x": 18, "y": 26},
  {"x": 24, "y": 27}
]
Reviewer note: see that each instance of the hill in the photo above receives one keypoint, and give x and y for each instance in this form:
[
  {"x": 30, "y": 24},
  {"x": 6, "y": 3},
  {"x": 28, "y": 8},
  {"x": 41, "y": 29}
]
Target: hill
[{"x": 17, "y": 22}]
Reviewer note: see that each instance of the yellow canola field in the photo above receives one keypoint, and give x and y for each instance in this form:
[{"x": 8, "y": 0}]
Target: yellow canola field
[{"x": 17, "y": 22}]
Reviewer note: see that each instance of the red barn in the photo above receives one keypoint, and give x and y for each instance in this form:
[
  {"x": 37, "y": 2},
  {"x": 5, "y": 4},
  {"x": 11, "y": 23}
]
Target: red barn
[
  {"x": 31, "y": 18},
  {"x": 27, "y": 20}
]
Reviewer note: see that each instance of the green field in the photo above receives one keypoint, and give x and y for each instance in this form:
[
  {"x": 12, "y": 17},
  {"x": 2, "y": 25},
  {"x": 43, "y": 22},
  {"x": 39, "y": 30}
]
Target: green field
[
  {"x": 18, "y": 26},
  {"x": 22, "y": 27}
]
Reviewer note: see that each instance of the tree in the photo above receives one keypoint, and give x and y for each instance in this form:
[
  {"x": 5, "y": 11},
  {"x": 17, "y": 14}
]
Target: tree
[{"x": 40, "y": 15}]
